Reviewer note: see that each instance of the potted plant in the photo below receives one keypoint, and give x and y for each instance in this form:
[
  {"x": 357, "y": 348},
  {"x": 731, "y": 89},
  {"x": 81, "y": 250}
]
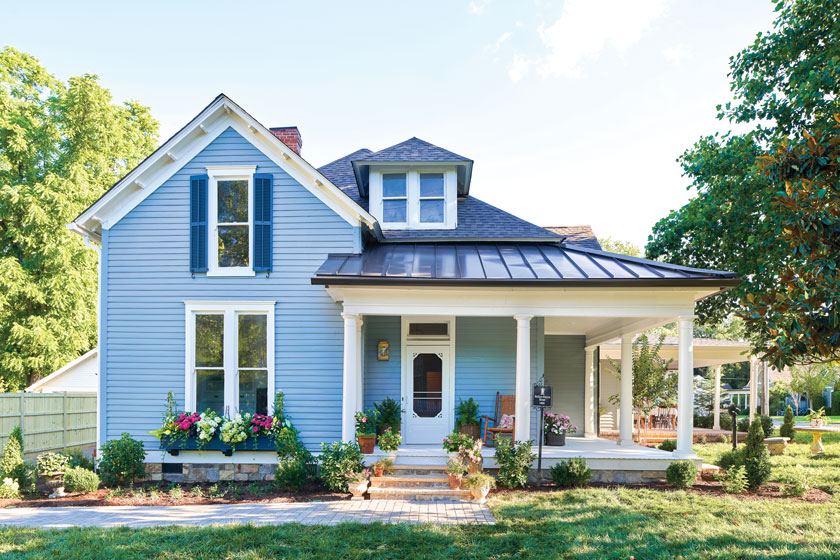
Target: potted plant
[
  {"x": 366, "y": 431},
  {"x": 382, "y": 467},
  {"x": 555, "y": 427},
  {"x": 456, "y": 469},
  {"x": 389, "y": 440},
  {"x": 479, "y": 485},
  {"x": 52, "y": 466},
  {"x": 357, "y": 483},
  {"x": 817, "y": 417},
  {"x": 464, "y": 448},
  {"x": 389, "y": 415},
  {"x": 466, "y": 418}
]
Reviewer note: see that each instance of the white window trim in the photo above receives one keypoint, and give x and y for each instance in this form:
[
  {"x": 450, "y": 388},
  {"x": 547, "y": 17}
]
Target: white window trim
[
  {"x": 228, "y": 172},
  {"x": 230, "y": 310},
  {"x": 396, "y": 225},
  {"x": 450, "y": 196},
  {"x": 421, "y": 198}
]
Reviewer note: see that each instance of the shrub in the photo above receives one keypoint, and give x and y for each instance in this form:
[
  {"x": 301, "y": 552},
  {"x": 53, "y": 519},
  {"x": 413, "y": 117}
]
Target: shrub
[
  {"x": 766, "y": 425},
  {"x": 668, "y": 445},
  {"x": 756, "y": 457},
  {"x": 79, "y": 459},
  {"x": 389, "y": 414},
  {"x": 835, "y": 403},
  {"x": 817, "y": 402},
  {"x": 17, "y": 433},
  {"x": 724, "y": 438},
  {"x": 725, "y": 422},
  {"x": 390, "y": 440},
  {"x": 744, "y": 425},
  {"x": 787, "y": 425},
  {"x": 122, "y": 461},
  {"x": 573, "y": 472},
  {"x": 12, "y": 465},
  {"x": 49, "y": 463},
  {"x": 735, "y": 481},
  {"x": 731, "y": 459},
  {"x": 10, "y": 489},
  {"x": 514, "y": 460},
  {"x": 681, "y": 474},
  {"x": 291, "y": 474},
  {"x": 78, "y": 479},
  {"x": 703, "y": 421},
  {"x": 796, "y": 481},
  {"x": 701, "y": 439},
  {"x": 338, "y": 461}
]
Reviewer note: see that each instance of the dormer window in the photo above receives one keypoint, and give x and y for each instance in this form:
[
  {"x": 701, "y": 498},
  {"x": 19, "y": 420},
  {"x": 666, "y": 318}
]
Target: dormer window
[{"x": 419, "y": 198}]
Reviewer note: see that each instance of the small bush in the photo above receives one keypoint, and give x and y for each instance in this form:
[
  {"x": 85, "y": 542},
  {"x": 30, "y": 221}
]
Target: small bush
[
  {"x": 731, "y": 459},
  {"x": 9, "y": 489},
  {"x": 703, "y": 420},
  {"x": 49, "y": 463},
  {"x": 735, "y": 481},
  {"x": 744, "y": 425},
  {"x": 796, "y": 481},
  {"x": 817, "y": 402},
  {"x": 724, "y": 438},
  {"x": 573, "y": 472},
  {"x": 79, "y": 459},
  {"x": 514, "y": 460},
  {"x": 766, "y": 425},
  {"x": 78, "y": 479},
  {"x": 122, "y": 461},
  {"x": 291, "y": 475},
  {"x": 725, "y": 422},
  {"x": 668, "y": 445},
  {"x": 701, "y": 439},
  {"x": 787, "y": 425},
  {"x": 338, "y": 461},
  {"x": 835, "y": 403},
  {"x": 681, "y": 474},
  {"x": 12, "y": 465},
  {"x": 756, "y": 457}
]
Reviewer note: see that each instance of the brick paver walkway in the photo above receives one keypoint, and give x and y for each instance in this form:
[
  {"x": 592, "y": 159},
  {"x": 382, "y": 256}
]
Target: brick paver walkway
[{"x": 307, "y": 513}]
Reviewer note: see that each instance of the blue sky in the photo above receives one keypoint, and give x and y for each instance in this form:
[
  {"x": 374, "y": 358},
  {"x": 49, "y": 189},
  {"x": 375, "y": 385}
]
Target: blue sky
[{"x": 574, "y": 111}]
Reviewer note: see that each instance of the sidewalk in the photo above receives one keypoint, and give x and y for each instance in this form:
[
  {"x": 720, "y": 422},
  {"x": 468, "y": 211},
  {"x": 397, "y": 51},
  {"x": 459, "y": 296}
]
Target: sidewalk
[{"x": 306, "y": 513}]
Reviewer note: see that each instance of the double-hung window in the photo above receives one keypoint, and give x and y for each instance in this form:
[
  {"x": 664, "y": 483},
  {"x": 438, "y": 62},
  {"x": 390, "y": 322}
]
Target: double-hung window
[
  {"x": 231, "y": 222},
  {"x": 230, "y": 357},
  {"x": 432, "y": 198},
  {"x": 419, "y": 198},
  {"x": 394, "y": 198}
]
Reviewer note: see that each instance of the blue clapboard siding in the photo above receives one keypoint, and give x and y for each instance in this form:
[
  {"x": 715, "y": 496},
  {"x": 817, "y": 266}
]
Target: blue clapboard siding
[
  {"x": 146, "y": 260},
  {"x": 382, "y": 379},
  {"x": 564, "y": 370}
]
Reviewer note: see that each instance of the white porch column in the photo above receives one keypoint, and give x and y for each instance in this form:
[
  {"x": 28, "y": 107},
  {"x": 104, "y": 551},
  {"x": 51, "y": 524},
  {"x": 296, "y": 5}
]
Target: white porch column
[
  {"x": 685, "y": 388},
  {"x": 625, "y": 406},
  {"x": 350, "y": 387},
  {"x": 589, "y": 408},
  {"x": 753, "y": 389},
  {"x": 765, "y": 388},
  {"x": 522, "y": 428},
  {"x": 716, "y": 404},
  {"x": 360, "y": 382}
]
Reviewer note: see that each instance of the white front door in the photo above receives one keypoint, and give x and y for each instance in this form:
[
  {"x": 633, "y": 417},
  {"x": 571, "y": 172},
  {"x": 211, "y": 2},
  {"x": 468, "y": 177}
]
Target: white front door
[{"x": 428, "y": 414}]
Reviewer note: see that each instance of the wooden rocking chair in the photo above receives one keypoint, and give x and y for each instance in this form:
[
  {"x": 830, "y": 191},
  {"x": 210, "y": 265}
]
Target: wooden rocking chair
[{"x": 505, "y": 404}]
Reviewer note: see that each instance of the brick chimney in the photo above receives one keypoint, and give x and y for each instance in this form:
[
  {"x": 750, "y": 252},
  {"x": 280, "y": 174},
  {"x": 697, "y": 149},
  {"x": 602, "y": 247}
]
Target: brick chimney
[{"x": 289, "y": 135}]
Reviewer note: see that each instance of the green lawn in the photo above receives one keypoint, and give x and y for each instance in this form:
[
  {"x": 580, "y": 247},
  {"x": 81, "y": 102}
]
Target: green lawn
[{"x": 587, "y": 523}]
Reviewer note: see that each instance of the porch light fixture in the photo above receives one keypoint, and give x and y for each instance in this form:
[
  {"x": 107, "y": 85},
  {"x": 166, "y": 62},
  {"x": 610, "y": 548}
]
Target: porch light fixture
[{"x": 382, "y": 351}]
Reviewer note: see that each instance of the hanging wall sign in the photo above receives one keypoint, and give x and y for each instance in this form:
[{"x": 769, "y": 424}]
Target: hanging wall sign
[{"x": 382, "y": 351}]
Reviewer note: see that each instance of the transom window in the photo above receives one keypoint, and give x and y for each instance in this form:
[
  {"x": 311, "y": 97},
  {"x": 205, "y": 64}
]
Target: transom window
[
  {"x": 415, "y": 198},
  {"x": 231, "y": 223},
  {"x": 230, "y": 351}
]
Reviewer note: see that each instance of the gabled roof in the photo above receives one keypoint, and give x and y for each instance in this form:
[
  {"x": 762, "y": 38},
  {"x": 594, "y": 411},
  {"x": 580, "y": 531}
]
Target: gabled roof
[
  {"x": 501, "y": 264},
  {"x": 222, "y": 113},
  {"x": 477, "y": 220},
  {"x": 577, "y": 235},
  {"x": 57, "y": 374},
  {"x": 414, "y": 151}
]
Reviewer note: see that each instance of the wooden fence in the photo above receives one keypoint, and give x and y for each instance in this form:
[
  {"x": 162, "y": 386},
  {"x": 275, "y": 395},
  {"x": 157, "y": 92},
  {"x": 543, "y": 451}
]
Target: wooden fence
[{"x": 50, "y": 421}]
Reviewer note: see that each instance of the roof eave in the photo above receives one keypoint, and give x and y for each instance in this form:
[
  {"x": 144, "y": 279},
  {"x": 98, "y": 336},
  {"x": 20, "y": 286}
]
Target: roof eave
[{"x": 722, "y": 284}]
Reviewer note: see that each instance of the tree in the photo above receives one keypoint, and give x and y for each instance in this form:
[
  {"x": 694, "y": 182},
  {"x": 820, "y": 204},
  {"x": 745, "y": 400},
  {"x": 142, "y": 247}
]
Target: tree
[
  {"x": 621, "y": 247},
  {"x": 704, "y": 391},
  {"x": 653, "y": 384},
  {"x": 61, "y": 146},
  {"x": 812, "y": 379},
  {"x": 756, "y": 457},
  {"x": 786, "y": 81}
]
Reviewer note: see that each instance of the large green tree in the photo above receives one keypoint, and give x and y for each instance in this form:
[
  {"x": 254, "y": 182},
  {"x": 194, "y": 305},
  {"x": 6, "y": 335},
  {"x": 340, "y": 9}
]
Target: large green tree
[
  {"x": 788, "y": 80},
  {"x": 61, "y": 146}
]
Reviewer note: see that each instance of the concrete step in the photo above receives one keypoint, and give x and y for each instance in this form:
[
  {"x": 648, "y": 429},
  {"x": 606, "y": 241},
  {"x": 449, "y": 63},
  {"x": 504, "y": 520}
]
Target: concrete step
[
  {"x": 420, "y": 470},
  {"x": 422, "y": 494},
  {"x": 425, "y": 481}
]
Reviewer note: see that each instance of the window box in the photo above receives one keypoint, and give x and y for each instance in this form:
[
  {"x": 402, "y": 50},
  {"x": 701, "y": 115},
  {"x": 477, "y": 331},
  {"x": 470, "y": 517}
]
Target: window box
[{"x": 259, "y": 443}]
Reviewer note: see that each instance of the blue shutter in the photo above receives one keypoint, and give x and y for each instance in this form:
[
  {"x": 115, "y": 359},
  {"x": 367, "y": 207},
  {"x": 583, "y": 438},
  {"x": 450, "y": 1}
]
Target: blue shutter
[
  {"x": 198, "y": 223},
  {"x": 262, "y": 221}
]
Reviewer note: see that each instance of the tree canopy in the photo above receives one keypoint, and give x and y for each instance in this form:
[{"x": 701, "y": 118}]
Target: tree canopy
[
  {"x": 786, "y": 82},
  {"x": 61, "y": 146},
  {"x": 653, "y": 384}
]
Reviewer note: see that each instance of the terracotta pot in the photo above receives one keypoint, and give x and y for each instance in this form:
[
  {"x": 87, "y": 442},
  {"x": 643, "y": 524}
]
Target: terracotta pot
[
  {"x": 474, "y": 467},
  {"x": 367, "y": 443},
  {"x": 358, "y": 489},
  {"x": 480, "y": 494},
  {"x": 455, "y": 481},
  {"x": 55, "y": 481},
  {"x": 378, "y": 470},
  {"x": 472, "y": 430},
  {"x": 555, "y": 439}
]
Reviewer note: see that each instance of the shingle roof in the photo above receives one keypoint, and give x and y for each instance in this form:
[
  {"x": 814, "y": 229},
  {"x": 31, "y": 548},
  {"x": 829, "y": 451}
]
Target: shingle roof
[
  {"x": 412, "y": 149},
  {"x": 477, "y": 220},
  {"x": 577, "y": 235},
  {"x": 505, "y": 264}
]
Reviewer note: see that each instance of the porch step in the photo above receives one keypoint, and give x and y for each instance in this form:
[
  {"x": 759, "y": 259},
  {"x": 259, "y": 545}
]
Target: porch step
[
  {"x": 420, "y": 470},
  {"x": 422, "y": 494},
  {"x": 409, "y": 482}
]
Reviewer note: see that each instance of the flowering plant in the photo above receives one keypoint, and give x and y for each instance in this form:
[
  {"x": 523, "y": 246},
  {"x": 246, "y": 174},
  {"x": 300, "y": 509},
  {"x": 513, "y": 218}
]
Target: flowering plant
[
  {"x": 366, "y": 423},
  {"x": 455, "y": 441},
  {"x": 471, "y": 453},
  {"x": 557, "y": 424},
  {"x": 262, "y": 424},
  {"x": 389, "y": 440},
  {"x": 207, "y": 426},
  {"x": 235, "y": 430},
  {"x": 360, "y": 476}
]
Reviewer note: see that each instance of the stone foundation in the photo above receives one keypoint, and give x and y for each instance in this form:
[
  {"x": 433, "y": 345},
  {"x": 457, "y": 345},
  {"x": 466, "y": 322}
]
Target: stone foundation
[
  {"x": 605, "y": 476},
  {"x": 209, "y": 472}
]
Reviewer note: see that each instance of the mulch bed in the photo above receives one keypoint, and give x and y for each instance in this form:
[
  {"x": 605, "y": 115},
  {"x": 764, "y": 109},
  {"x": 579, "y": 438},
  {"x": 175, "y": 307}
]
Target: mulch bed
[
  {"x": 247, "y": 493},
  {"x": 772, "y": 491}
]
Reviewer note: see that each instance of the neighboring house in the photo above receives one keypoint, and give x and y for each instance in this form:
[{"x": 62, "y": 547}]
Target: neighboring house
[
  {"x": 79, "y": 376},
  {"x": 231, "y": 269}
]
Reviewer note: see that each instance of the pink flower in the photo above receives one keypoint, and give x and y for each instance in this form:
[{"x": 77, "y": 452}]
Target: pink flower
[{"x": 256, "y": 429}]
